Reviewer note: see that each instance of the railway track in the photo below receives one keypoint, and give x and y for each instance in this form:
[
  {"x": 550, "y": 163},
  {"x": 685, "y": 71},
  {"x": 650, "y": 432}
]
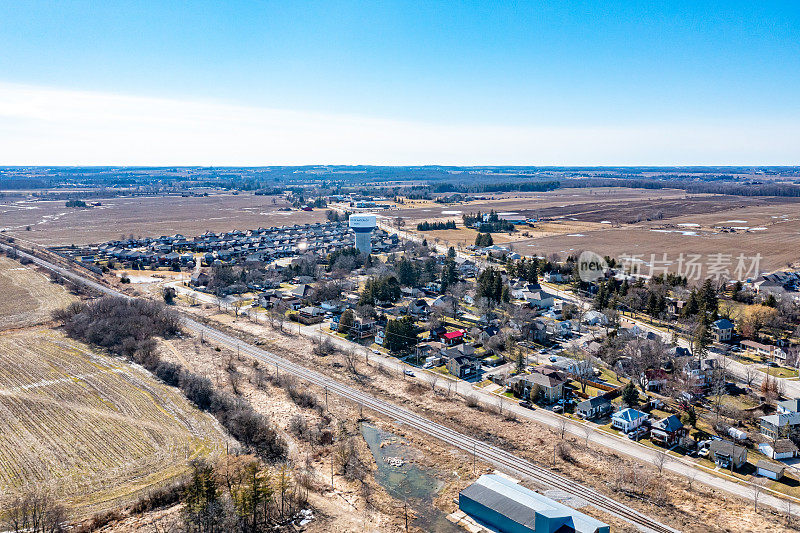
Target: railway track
[{"x": 486, "y": 452}]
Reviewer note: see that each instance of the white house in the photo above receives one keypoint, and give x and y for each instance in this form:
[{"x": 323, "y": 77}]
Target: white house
[
  {"x": 628, "y": 419},
  {"x": 594, "y": 318},
  {"x": 780, "y": 449}
]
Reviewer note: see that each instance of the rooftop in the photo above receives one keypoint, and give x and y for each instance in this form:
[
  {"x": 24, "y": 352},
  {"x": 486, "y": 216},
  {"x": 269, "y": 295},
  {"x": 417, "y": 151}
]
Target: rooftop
[{"x": 525, "y": 506}]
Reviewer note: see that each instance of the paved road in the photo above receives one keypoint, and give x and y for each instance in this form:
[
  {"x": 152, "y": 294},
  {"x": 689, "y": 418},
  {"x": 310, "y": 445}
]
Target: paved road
[{"x": 481, "y": 450}]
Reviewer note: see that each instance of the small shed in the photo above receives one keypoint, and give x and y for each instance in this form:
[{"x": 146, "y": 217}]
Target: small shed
[{"x": 770, "y": 470}]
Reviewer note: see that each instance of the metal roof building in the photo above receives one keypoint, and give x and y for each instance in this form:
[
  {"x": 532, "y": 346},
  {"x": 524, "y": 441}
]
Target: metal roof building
[{"x": 507, "y": 507}]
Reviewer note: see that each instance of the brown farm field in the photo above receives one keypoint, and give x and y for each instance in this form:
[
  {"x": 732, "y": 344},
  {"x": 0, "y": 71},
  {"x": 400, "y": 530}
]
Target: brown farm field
[
  {"x": 53, "y": 224},
  {"x": 27, "y": 297},
  {"x": 90, "y": 427},
  {"x": 619, "y": 222}
]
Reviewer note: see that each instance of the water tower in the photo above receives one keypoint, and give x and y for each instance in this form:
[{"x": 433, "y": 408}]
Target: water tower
[{"x": 362, "y": 225}]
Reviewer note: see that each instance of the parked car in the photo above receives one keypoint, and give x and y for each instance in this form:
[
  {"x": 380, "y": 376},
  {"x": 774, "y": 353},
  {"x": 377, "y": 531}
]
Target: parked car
[
  {"x": 637, "y": 433},
  {"x": 526, "y": 405},
  {"x": 408, "y": 373},
  {"x": 553, "y": 358},
  {"x": 558, "y": 408}
]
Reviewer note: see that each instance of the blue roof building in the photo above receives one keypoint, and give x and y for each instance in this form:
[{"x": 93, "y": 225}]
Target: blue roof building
[{"x": 507, "y": 507}]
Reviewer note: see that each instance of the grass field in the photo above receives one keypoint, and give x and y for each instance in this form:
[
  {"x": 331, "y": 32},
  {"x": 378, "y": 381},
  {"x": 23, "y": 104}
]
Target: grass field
[
  {"x": 53, "y": 224},
  {"x": 621, "y": 221},
  {"x": 26, "y": 296},
  {"x": 91, "y": 427}
]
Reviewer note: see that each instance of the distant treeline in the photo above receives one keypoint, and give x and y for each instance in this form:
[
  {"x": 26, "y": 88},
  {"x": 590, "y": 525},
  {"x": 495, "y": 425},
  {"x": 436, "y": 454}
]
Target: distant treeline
[
  {"x": 431, "y": 226},
  {"x": 692, "y": 187},
  {"x": 509, "y": 186}
]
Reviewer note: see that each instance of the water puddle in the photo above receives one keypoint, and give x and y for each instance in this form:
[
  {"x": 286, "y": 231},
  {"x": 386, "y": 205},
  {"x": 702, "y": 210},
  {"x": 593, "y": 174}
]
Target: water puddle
[{"x": 406, "y": 481}]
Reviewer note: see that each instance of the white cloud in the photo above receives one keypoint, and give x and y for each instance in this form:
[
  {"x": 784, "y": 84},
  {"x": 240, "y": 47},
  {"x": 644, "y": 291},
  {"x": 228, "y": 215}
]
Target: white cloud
[{"x": 45, "y": 126}]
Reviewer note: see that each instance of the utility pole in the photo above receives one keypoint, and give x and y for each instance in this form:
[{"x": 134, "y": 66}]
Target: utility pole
[
  {"x": 473, "y": 458},
  {"x": 326, "y": 397}
]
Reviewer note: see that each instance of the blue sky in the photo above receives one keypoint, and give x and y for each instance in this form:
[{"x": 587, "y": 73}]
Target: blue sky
[{"x": 729, "y": 68}]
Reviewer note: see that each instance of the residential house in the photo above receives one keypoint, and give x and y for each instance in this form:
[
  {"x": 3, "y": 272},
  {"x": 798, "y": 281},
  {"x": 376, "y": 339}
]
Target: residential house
[
  {"x": 559, "y": 328},
  {"x": 310, "y": 315},
  {"x": 363, "y": 328},
  {"x": 726, "y": 454},
  {"x": 628, "y": 419},
  {"x": 199, "y": 279},
  {"x": 594, "y": 318},
  {"x": 592, "y": 408},
  {"x": 722, "y": 330},
  {"x": 444, "y": 302},
  {"x": 788, "y": 406},
  {"x": 418, "y": 307},
  {"x": 538, "y": 299},
  {"x": 536, "y": 330},
  {"x": 773, "y": 353},
  {"x": 779, "y": 449},
  {"x": 668, "y": 431},
  {"x": 551, "y": 385},
  {"x": 779, "y": 426},
  {"x": 463, "y": 366},
  {"x": 452, "y": 338},
  {"x": 301, "y": 291},
  {"x": 428, "y": 348},
  {"x": 556, "y": 277},
  {"x": 700, "y": 373}
]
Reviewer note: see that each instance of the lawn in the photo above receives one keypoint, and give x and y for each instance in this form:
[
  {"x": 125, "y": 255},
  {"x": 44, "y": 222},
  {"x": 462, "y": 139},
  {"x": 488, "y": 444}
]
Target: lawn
[{"x": 779, "y": 371}]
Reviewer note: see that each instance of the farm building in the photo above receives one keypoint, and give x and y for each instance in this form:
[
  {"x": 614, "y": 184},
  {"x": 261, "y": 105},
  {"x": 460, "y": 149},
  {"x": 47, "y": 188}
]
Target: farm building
[{"x": 507, "y": 507}]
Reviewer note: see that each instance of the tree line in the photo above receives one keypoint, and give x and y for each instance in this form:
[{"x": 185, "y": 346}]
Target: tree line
[{"x": 431, "y": 226}]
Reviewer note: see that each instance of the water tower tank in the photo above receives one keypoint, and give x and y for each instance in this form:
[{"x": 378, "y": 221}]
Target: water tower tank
[{"x": 363, "y": 224}]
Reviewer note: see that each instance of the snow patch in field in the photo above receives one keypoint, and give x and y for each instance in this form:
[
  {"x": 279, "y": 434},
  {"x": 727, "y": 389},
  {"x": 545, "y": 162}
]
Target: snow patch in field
[
  {"x": 576, "y": 235},
  {"x": 760, "y": 228},
  {"x": 605, "y": 222},
  {"x": 689, "y": 225},
  {"x": 451, "y": 212},
  {"x": 734, "y": 222},
  {"x": 508, "y": 213}
]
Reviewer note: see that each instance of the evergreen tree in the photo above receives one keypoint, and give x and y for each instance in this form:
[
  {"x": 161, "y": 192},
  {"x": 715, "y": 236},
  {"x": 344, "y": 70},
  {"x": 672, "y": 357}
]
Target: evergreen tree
[
  {"x": 401, "y": 334},
  {"x": 630, "y": 395},
  {"x": 346, "y": 321}
]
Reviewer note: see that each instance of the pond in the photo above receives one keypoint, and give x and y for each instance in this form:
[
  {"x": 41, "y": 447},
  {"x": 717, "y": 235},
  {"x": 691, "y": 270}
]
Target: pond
[{"x": 405, "y": 481}]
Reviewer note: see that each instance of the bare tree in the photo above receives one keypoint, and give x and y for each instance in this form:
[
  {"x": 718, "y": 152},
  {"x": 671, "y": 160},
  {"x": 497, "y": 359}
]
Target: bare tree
[
  {"x": 758, "y": 488},
  {"x": 587, "y": 433},
  {"x": 660, "y": 460},
  {"x": 433, "y": 379},
  {"x": 350, "y": 358},
  {"x": 750, "y": 374},
  {"x": 561, "y": 426},
  {"x": 35, "y": 512}
]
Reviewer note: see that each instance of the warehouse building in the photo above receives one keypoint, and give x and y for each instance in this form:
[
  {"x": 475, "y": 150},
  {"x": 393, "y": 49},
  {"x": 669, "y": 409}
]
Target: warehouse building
[{"x": 507, "y": 507}]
